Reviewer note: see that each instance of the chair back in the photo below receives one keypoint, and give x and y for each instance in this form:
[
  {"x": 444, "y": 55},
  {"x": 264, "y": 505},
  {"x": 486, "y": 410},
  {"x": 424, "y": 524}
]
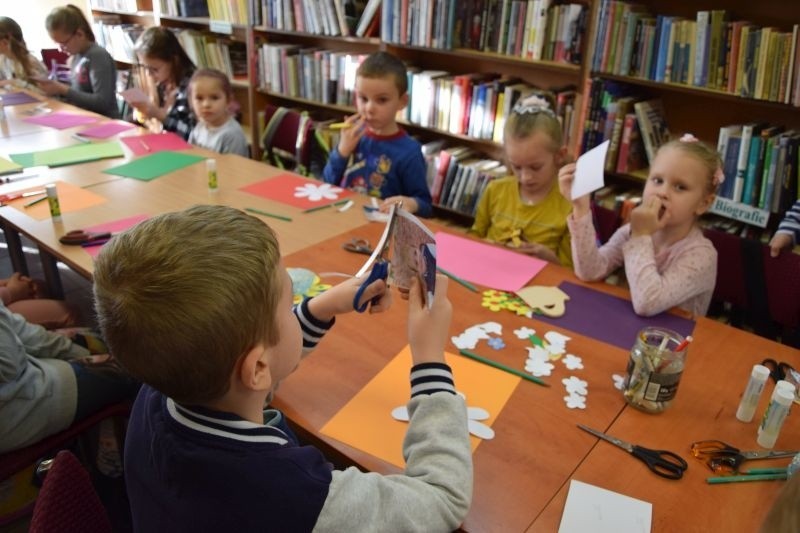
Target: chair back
[
  {"x": 68, "y": 502},
  {"x": 730, "y": 287},
  {"x": 782, "y": 277},
  {"x": 606, "y": 221}
]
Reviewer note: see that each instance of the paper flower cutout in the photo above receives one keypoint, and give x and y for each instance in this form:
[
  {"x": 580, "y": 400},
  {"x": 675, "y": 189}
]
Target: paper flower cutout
[
  {"x": 575, "y": 401},
  {"x": 619, "y": 381},
  {"x": 474, "y": 417},
  {"x": 524, "y": 333},
  {"x": 496, "y": 343},
  {"x": 470, "y": 337},
  {"x": 554, "y": 337},
  {"x": 575, "y": 385},
  {"x": 316, "y": 192},
  {"x": 538, "y": 353},
  {"x": 305, "y": 284},
  {"x": 573, "y": 362},
  {"x": 499, "y": 300},
  {"x": 538, "y": 367}
]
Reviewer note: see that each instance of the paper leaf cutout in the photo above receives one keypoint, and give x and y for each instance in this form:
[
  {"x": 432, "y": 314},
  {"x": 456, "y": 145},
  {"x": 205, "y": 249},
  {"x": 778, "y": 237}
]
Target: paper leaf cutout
[{"x": 549, "y": 300}]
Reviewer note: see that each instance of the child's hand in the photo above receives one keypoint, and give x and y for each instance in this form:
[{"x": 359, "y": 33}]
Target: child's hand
[
  {"x": 145, "y": 107},
  {"x": 566, "y": 177},
  {"x": 339, "y": 299},
  {"x": 645, "y": 218},
  {"x": 779, "y": 242},
  {"x": 538, "y": 250},
  {"x": 51, "y": 87},
  {"x": 409, "y": 204},
  {"x": 428, "y": 329},
  {"x": 348, "y": 139},
  {"x": 19, "y": 287}
]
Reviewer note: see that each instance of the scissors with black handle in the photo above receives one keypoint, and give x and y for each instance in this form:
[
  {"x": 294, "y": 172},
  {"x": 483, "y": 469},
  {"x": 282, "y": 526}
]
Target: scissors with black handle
[
  {"x": 661, "y": 462},
  {"x": 722, "y": 457},
  {"x": 778, "y": 370},
  {"x": 79, "y": 237},
  {"x": 377, "y": 262}
]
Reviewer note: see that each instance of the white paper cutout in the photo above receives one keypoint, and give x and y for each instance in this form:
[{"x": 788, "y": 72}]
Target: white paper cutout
[
  {"x": 474, "y": 417},
  {"x": 524, "y": 332},
  {"x": 575, "y": 401},
  {"x": 575, "y": 385},
  {"x": 470, "y": 337},
  {"x": 619, "y": 381},
  {"x": 538, "y": 353},
  {"x": 572, "y": 362},
  {"x": 346, "y": 206},
  {"x": 538, "y": 367},
  {"x": 554, "y": 337},
  {"x": 316, "y": 192}
]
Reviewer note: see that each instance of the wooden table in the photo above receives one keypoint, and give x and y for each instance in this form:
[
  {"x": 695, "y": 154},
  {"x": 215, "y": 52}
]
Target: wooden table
[{"x": 522, "y": 476}]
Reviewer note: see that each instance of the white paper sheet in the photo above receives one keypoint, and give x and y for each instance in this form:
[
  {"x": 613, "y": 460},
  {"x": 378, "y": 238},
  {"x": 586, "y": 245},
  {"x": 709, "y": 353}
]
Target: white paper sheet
[
  {"x": 589, "y": 172},
  {"x": 598, "y": 510}
]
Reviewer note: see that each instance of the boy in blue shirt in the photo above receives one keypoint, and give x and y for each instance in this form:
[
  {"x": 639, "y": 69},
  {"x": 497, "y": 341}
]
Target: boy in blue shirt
[
  {"x": 375, "y": 156},
  {"x": 206, "y": 322}
]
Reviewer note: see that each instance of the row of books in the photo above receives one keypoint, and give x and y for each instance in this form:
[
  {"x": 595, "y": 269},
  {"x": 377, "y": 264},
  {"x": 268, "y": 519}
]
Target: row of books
[
  {"x": 118, "y": 39},
  {"x": 128, "y": 6},
  {"x": 529, "y": 29},
  {"x": 320, "y": 17},
  {"x": 760, "y": 162},
  {"x": 234, "y": 11},
  {"x": 212, "y": 51},
  {"x": 635, "y": 126},
  {"x": 708, "y": 51},
  {"x": 184, "y": 8}
]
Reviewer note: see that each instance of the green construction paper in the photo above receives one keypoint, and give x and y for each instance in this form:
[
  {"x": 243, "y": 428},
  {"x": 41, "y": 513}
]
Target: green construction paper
[
  {"x": 78, "y": 153},
  {"x": 153, "y": 166},
  {"x": 6, "y": 166}
]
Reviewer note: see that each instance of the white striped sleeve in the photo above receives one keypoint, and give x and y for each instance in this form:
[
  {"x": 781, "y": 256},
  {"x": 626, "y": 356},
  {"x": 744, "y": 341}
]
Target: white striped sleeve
[
  {"x": 427, "y": 378},
  {"x": 313, "y": 329}
]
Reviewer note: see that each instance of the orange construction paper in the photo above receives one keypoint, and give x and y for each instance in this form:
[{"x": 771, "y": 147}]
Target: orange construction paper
[
  {"x": 70, "y": 197},
  {"x": 366, "y": 422}
]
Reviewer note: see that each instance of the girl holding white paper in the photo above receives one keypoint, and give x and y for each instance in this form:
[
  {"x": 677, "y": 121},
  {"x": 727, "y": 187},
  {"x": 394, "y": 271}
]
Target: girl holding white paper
[
  {"x": 526, "y": 211},
  {"x": 668, "y": 262}
]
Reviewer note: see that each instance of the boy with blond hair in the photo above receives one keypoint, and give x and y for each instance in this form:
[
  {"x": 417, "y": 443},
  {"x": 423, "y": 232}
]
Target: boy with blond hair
[
  {"x": 206, "y": 322},
  {"x": 375, "y": 156}
]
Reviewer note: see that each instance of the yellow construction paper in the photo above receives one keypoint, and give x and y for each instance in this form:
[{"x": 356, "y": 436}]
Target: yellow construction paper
[
  {"x": 70, "y": 198},
  {"x": 7, "y": 166},
  {"x": 366, "y": 422}
]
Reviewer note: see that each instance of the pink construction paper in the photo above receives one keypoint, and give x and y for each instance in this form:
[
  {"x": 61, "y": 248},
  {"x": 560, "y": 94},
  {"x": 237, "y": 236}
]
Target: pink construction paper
[
  {"x": 106, "y": 129},
  {"x": 155, "y": 142},
  {"x": 284, "y": 187},
  {"x": 61, "y": 120},
  {"x": 114, "y": 226},
  {"x": 485, "y": 264}
]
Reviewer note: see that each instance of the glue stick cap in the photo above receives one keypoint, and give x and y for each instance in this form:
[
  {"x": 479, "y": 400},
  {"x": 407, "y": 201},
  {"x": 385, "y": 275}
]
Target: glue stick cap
[
  {"x": 211, "y": 164},
  {"x": 784, "y": 385},
  {"x": 760, "y": 372}
]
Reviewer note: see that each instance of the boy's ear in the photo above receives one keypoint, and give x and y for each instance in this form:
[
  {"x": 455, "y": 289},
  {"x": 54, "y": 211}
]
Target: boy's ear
[
  {"x": 403, "y": 100},
  {"x": 254, "y": 371}
]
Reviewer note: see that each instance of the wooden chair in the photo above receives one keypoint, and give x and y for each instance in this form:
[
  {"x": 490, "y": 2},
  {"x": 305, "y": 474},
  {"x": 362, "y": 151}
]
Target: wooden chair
[
  {"x": 782, "y": 279},
  {"x": 730, "y": 285},
  {"x": 606, "y": 221}
]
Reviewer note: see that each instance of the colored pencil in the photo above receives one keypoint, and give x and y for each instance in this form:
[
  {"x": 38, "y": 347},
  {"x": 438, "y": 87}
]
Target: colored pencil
[
  {"x": 499, "y": 366},
  {"x": 746, "y": 477},
  {"x": 266, "y": 214},
  {"x": 458, "y": 280},
  {"x": 340, "y": 126},
  {"x": 31, "y": 204},
  {"x": 321, "y": 207}
]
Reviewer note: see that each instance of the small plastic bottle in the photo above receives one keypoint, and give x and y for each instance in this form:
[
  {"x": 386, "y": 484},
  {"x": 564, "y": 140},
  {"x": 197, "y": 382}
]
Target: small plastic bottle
[
  {"x": 2, "y": 109},
  {"x": 52, "y": 201},
  {"x": 211, "y": 168},
  {"x": 780, "y": 385},
  {"x": 773, "y": 419},
  {"x": 752, "y": 393}
]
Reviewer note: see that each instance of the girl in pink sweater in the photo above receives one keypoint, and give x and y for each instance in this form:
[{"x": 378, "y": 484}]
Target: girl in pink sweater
[{"x": 668, "y": 262}]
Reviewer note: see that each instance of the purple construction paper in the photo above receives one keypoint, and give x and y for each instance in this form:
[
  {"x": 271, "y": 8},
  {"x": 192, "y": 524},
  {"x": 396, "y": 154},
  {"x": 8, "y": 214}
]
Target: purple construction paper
[
  {"x": 18, "y": 98},
  {"x": 609, "y": 319},
  {"x": 61, "y": 120}
]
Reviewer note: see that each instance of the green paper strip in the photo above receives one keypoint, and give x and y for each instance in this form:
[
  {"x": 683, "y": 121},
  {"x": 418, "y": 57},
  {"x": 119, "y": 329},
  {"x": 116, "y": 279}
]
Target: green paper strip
[
  {"x": 154, "y": 166},
  {"x": 79, "y": 153}
]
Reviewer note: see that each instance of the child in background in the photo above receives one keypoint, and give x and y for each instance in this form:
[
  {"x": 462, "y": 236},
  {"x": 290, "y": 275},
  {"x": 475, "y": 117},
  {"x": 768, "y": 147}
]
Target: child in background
[
  {"x": 92, "y": 70},
  {"x": 17, "y": 64},
  {"x": 526, "y": 211},
  {"x": 165, "y": 60},
  {"x": 668, "y": 262},
  {"x": 199, "y": 431},
  {"x": 784, "y": 515},
  {"x": 48, "y": 382},
  {"x": 216, "y": 129},
  {"x": 375, "y": 156},
  {"x": 788, "y": 233},
  {"x": 21, "y": 295}
]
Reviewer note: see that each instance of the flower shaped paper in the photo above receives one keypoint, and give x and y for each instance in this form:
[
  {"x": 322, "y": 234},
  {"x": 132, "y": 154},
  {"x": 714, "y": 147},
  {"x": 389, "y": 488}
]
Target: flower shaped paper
[
  {"x": 524, "y": 333},
  {"x": 575, "y": 385},
  {"x": 316, "y": 192},
  {"x": 538, "y": 368},
  {"x": 474, "y": 417},
  {"x": 575, "y": 401},
  {"x": 619, "y": 381},
  {"x": 470, "y": 337},
  {"x": 496, "y": 343},
  {"x": 572, "y": 362},
  {"x": 538, "y": 353}
]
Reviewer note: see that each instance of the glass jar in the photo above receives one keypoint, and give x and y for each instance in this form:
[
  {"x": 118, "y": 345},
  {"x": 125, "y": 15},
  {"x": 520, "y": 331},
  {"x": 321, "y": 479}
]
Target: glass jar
[{"x": 654, "y": 369}]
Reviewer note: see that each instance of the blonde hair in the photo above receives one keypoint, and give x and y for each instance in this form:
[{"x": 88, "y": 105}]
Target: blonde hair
[
  {"x": 705, "y": 154},
  {"x": 784, "y": 515},
  {"x": 9, "y": 29},
  {"x": 181, "y": 296},
  {"x": 69, "y": 19},
  {"x": 534, "y": 113}
]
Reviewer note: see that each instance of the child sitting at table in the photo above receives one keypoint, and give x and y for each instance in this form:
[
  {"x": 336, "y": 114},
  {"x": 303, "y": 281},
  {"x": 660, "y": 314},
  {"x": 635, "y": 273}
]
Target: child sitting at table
[
  {"x": 668, "y": 262},
  {"x": 17, "y": 64},
  {"x": 92, "y": 69},
  {"x": 375, "y": 156},
  {"x": 216, "y": 129},
  {"x": 788, "y": 233},
  {"x": 22, "y": 295},
  {"x": 526, "y": 211},
  {"x": 170, "y": 69},
  {"x": 49, "y": 381},
  {"x": 212, "y": 348}
]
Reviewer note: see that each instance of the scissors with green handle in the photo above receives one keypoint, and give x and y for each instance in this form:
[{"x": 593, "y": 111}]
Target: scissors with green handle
[{"x": 661, "y": 462}]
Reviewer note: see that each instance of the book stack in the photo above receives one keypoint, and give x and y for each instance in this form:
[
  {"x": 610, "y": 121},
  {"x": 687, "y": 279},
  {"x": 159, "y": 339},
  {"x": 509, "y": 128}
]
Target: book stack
[
  {"x": 530, "y": 29},
  {"x": 709, "y": 50},
  {"x": 326, "y": 17},
  {"x": 117, "y": 38},
  {"x": 460, "y": 177},
  {"x": 210, "y": 50}
]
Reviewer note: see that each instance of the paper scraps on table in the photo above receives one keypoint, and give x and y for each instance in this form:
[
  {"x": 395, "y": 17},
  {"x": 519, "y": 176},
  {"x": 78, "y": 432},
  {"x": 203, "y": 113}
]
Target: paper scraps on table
[
  {"x": 572, "y": 362},
  {"x": 305, "y": 284},
  {"x": 61, "y": 120},
  {"x": 619, "y": 381},
  {"x": 470, "y": 337},
  {"x": 475, "y": 418},
  {"x": 591, "y": 508},
  {"x": 577, "y": 390},
  {"x": 505, "y": 301},
  {"x": 363, "y": 422},
  {"x": 297, "y": 191},
  {"x": 538, "y": 363},
  {"x": 551, "y": 301}
]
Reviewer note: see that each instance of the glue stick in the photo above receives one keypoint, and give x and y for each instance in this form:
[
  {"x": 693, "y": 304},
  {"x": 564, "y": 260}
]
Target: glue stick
[
  {"x": 752, "y": 393},
  {"x": 211, "y": 168},
  {"x": 773, "y": 419},
  {"x": 52, "y": 201}
]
